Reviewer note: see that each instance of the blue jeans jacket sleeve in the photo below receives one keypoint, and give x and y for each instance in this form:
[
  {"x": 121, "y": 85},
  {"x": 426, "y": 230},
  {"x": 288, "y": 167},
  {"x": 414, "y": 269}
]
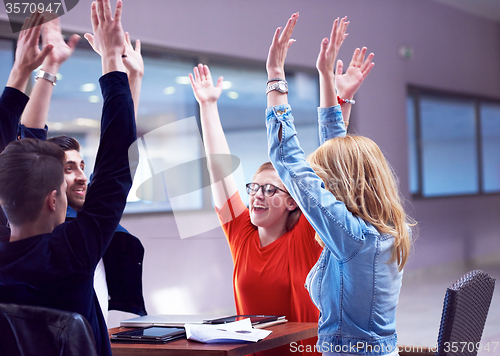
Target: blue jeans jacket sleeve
[
  {"x": 338, "y": 228},
  {"x": 330, "y": 123}
]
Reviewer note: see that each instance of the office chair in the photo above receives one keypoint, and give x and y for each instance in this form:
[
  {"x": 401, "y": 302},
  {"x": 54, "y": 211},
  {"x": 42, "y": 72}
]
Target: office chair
[
  {"x": 27, "y": 330},
  {"x": 465, "y": 308}
]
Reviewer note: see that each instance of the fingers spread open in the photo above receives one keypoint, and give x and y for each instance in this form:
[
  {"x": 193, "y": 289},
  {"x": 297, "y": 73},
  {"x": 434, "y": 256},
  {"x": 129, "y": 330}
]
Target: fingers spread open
[
  {"x": 340, "y": 67},
  {"x": 290, "y": 25},
  {"x": 196, "y": 74},
  {"x": 100, "y": 11},
  {"x": 106, "y": 6},
  {"x": 219, "y": 82},
  {"x": 127, "y": 39},
  {"x": 202, "y": 71},
  {"x": 118, "y": 11},
  {"x": 192, "y": 80},
  {"x": 90, "y": 40},
  {"x": 276, "y": 36},
  {"x": 93, "y": 16},
  {"x": 73, "y": 41},
  {"x": 207, "y": 72}
]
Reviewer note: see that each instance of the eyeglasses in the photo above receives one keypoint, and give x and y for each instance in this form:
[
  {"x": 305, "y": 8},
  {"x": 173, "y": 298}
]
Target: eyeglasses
[{"x": 267, "y": 189}]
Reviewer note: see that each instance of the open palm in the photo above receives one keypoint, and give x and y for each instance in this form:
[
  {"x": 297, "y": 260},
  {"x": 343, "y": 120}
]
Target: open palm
[
  {"x": 51, "y": 34},
  {"x": 203, "y": 85},
  {"x": 349, "y": 82}
]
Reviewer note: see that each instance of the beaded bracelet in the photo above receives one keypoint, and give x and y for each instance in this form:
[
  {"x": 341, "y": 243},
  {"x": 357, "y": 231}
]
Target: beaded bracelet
[{"x": 345, "y": 101}]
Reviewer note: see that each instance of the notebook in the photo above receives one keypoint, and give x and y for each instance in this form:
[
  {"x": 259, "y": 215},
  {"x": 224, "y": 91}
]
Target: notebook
[{"x": 166, "y": 320}]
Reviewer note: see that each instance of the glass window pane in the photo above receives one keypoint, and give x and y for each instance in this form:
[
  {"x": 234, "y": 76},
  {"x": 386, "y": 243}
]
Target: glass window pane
[
  {"x": 243, "y": 100},
  {"x": 170, "y": 138},
  {"x": 6, "y": 60},
  {"x": 242, "y": 113},
  {"x": 303, "y": 96},
  {"x": 412, "y": 142},
  {"x": 166, "y": 98},
  {"x": 490, "y": 131},
  {"x": 449, "y": 147}
]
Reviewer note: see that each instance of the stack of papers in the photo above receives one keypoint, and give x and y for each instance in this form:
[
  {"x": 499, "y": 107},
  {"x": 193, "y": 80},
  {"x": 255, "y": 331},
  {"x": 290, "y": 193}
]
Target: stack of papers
[{"x": 238, "y": 331}]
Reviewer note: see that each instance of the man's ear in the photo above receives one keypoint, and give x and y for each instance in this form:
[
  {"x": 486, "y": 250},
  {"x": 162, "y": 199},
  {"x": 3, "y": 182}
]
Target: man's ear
[{"x": 51, "y": 200}]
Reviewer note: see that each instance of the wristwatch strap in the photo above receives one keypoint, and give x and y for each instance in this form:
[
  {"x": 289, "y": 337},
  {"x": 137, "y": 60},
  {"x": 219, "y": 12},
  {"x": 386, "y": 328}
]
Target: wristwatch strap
[{"x": 47, "y": 76}]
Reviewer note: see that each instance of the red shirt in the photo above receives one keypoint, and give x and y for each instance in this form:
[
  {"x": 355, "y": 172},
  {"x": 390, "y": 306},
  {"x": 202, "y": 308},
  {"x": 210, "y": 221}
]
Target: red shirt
[{"x": 270, "y": 280}]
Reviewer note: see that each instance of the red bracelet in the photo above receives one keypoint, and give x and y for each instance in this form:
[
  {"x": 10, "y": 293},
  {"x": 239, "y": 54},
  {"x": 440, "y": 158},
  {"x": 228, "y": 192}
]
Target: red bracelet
[{"x": 345, "y": 101}]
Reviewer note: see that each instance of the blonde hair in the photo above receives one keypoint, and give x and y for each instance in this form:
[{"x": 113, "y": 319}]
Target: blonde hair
[
  {"x": 294, "y": 215},
  {"x": 355, "y": 171}
]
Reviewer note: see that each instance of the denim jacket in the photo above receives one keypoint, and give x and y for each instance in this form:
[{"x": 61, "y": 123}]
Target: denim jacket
[{"x": 352, "y": 284}]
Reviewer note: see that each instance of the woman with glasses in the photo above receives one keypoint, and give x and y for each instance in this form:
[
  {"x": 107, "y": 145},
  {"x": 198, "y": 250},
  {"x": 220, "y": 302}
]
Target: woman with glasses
[
  {"x": 350, "y": 196},
  {"x": 271, "y": 242}
]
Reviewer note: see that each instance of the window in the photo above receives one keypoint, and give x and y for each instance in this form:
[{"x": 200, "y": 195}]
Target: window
[
  {"x": 454, "y": 143},
  {"x": 168, "y": 121},
  {"x": 168, "y": 124},
  {"x": 490, "y": 146},
  {"x": 6, "y": 59}
]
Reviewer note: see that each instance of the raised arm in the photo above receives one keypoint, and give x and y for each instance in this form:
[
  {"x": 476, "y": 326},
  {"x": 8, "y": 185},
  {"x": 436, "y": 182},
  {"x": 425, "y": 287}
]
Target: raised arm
[
  {"x": 109, "y": 39},
  {"x": 28, "y": 57},
  {"x": 116, "y": 159},
  {"x": 37, "y": 110},
  {"x": 326, "y": 62},
  {"x": 135, "y": 69},
  {"x": 329, "y": 124},
  {"x": 214, "y": 140},
  {"x": 275, "y": 64}
]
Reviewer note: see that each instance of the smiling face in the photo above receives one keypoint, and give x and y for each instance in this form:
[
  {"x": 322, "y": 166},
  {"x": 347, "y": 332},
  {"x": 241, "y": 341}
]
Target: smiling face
[
  {"x": 76, "y": 179},
  {"x": 270, "y": 212}
]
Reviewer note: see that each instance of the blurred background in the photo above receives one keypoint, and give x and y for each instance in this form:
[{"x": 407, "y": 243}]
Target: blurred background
[{"x": 432, "y": 103}]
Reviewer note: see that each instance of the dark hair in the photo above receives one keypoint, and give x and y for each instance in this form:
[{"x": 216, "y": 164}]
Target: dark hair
[
  {"x": 67, "y": 143},
  {"x": 294, "y": 215},
  {"x": 29, "y": 170}
]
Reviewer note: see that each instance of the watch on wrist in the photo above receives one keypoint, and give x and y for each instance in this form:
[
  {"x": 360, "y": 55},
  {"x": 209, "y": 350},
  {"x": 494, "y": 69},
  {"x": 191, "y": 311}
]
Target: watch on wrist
[
  {"x": 47, "y": 76},
  {"x": 280, "y": 86}
]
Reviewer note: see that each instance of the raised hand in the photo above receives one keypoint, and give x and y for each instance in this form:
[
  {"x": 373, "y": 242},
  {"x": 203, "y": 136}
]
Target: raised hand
[
  {"x": 282, "y": 41},
  {"x": 203, "y": 85},
  {"x": 109, "y": 38},
  {"x": 326, "y": 62},
  {"x": 349, "y": 82},
  {"x": 330, "y": 48},
  {"x": 28, "y": 56},
  {"x": 51, "y": 34},
  {"x": 133, "y": 59}
]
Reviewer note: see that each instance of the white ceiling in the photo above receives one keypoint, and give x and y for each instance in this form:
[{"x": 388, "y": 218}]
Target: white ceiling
[{"x": 489, "y": 9}]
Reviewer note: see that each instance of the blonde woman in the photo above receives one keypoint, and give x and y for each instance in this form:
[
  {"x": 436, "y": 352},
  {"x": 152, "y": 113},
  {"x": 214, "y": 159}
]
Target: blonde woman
[{"x": 349, "y": 195}]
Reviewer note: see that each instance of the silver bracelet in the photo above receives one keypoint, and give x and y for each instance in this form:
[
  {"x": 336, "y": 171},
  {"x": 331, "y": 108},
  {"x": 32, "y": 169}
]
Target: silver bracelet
[
  {"x": 47, "y": 76},
  {"x": 275, "y": 80}
]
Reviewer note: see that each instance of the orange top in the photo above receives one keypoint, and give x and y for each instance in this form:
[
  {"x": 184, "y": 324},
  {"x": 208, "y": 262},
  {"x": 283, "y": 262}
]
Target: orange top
[{"x": 270, "y": 280}]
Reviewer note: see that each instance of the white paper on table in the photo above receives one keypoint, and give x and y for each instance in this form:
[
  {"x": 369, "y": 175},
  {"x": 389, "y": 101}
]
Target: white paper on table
[{"x": 237, "y": 331}]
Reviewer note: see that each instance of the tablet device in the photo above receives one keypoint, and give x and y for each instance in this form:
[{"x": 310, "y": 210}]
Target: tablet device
[{"x": 150, "y": 334}]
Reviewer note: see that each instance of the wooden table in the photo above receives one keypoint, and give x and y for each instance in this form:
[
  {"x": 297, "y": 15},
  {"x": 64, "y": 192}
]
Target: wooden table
[{"x": 282, "y": 334}]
